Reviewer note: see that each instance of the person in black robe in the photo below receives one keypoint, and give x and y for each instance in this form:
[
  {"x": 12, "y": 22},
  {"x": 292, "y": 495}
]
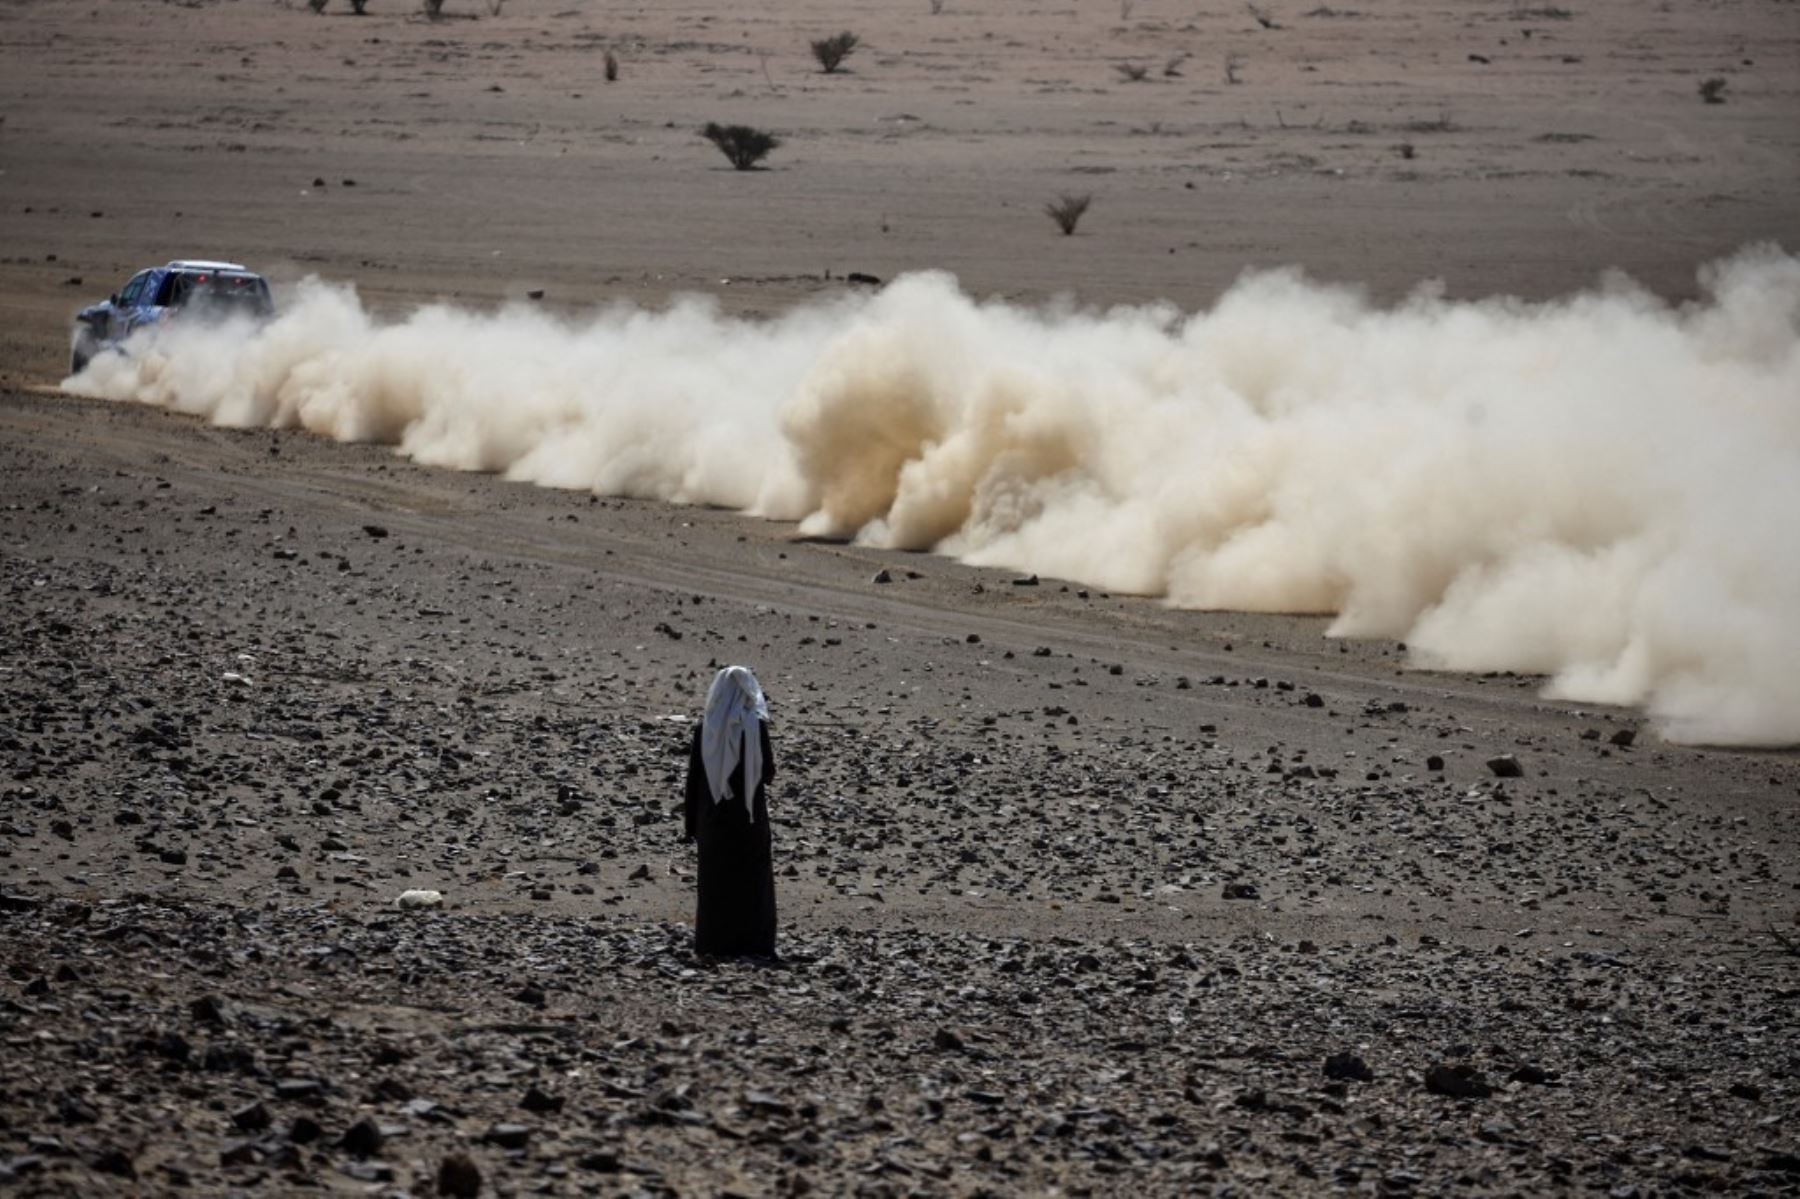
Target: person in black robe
[{"x": 735, "y": 914}]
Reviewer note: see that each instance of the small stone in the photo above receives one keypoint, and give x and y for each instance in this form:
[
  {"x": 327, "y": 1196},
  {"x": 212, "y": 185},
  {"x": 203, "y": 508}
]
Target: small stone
[
  {"x": 1624, "y": 738},
  {"x": 362, "y": 1139},
  {"x": 375, "y": 531},
  {"x": 1434, "y": 763},
  {"x": 1505, "y": 766},
  {"x": 237, "y": 1153},
  {"x": 116, "y": 1162},
  {"x": 1745, "y": 1090},
  {"x": 252, "y": 1117},
  {"x": 1240, "y": 891},
  {"x": 300, "y": 1090},
  {"x": 508, "y": 1136},
  {"x": 1027, "y": 581},
  {"x": 1347, "y": 1067},
  {"x": 1530, "y": 1075},
  {"x": 946, "y": 1040},
  {"x": 1314, "y": 700},
  {"x": 416, "y": 899},
  {"x": 883, "y": 576},
  {"x": 541, "y": 1101},
  {"x": 459, "y": 1177},
  {"x": 207, "y": 1010},
  {"x": 1460, "y": 1081},
  {"x": 303, "y": 1130}
]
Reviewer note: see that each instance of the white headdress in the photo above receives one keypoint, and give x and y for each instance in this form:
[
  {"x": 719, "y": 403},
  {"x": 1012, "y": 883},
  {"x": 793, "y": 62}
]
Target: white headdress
[{"x": 734, "y": 706}]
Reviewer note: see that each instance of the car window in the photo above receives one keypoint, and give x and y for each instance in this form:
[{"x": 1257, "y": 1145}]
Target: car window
[{"x": 134, "y": 291}]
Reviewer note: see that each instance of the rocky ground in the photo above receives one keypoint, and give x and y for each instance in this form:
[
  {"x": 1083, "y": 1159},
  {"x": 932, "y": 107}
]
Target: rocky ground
[{"x": 1079, "y": 894}]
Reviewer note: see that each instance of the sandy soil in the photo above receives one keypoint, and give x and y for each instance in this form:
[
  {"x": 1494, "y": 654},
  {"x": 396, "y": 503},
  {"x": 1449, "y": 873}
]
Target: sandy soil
[
  {"x": 490, "y": 156},
  {"x": 253, "y": 685}
]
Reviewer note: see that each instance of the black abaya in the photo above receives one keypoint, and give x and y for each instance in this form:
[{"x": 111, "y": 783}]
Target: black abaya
[{"x": 735, "y": 916}]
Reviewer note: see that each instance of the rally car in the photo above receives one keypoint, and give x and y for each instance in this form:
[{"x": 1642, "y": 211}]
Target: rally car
[{"x": 190, "y": 288}]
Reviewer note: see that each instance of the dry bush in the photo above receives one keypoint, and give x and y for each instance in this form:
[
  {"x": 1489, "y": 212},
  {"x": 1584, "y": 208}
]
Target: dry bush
[
  {"x": 1066, "y": 211},
  {"x": 1713, "y": 90},
  {"x": 744, "y": 146},
  {"x": 1132, "y": 72},
  {"x": 832, "y": 51}
]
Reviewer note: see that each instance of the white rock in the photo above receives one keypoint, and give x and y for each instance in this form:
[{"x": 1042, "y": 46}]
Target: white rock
[{"x": 421, "y": 899}]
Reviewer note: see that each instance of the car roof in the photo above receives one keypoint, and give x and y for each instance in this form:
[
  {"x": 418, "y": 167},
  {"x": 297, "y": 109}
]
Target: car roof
[{"x": 203, "y": 264}]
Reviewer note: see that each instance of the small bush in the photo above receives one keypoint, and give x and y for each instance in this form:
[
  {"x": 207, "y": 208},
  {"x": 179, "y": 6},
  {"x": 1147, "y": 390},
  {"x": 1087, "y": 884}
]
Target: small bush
[
  {"x": 832, "y": 51},
  {"x": 612, "y": 67},
  {"x": 744, "y": 146},
  {"x": 1713, "y": 90},
  {"x": 1131, "y": 72},
  {"x": 1067, "y": 210}
]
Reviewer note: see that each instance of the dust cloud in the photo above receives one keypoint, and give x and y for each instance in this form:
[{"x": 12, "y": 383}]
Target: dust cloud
[{"x": 1604, "y": 489}]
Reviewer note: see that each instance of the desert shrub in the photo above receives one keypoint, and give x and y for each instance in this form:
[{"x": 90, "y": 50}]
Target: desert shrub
[
  {"x": 612, "y": 67},
  {"x": 1066, "y": 211},
  {"x": 1131, "y": 72},
  {"x": 832, "y": 51},
  {"x": 1713, "y": 90},
  {"x": 744, "y": 146}
]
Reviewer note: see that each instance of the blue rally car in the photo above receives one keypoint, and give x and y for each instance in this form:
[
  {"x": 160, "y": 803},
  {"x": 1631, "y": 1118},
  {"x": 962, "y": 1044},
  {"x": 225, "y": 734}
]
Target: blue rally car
[{"x": 188, "y": 288}]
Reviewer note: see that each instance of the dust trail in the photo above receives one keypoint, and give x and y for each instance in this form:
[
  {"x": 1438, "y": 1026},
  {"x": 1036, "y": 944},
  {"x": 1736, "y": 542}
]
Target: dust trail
[{"x": 1604, "y": 488}]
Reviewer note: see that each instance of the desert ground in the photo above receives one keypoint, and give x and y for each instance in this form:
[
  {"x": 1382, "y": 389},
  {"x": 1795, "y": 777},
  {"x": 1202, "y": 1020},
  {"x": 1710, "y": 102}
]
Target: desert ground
[{"x": 1080, "y": 893}]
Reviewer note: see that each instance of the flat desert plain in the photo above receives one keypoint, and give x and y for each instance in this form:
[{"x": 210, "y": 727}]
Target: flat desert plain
[{"x": 1082, "y": 892}]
